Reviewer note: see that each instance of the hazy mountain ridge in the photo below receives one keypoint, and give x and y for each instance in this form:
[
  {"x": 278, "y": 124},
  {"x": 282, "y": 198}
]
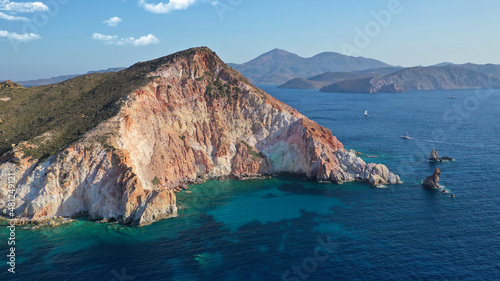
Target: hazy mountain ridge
[
  {"x": 448, "y": 77},
  {"x": 57, "y": 79},
  {"x": 279, "y": 66},
  {"x": 328, "y": 78}
]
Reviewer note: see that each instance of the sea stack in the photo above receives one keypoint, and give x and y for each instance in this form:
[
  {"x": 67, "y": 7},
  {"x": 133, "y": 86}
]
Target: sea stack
[
  {"x": 183, "y": 118},
  {"x": 434, "y": 157},
  {"x": 432, "y": 181}
]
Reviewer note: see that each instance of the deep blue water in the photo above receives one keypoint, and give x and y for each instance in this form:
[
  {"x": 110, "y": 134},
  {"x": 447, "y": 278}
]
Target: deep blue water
[{"x": 288, "y": 228}]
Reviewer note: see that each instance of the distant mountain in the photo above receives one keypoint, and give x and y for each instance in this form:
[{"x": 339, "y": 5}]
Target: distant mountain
[
  {"x": 53, "y": 80},
  {"x": 328, "y": 78},
  {"x": 418, "y": 78},
  {"x": 444, "y": 64},
  {"x": 322, "y": 80},
  {"x": 490, "y": 69},
  {"x": 382, "y": 70},
  {"x": 279, "y": 66}
]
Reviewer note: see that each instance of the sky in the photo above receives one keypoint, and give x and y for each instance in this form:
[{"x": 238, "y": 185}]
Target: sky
[{"x": 43, "y": 39}]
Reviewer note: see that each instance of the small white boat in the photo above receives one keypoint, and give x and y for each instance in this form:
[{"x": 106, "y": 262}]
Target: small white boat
[
  {"x": 406, "y": 137},
  {"x": 366, "y": 112}
]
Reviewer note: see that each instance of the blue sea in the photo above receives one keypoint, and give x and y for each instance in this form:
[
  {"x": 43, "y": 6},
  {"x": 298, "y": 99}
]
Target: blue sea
[{"x": 289, "y": 228}]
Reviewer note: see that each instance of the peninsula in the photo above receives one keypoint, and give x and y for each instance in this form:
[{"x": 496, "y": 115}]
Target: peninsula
[{"x": 115, "y": 145}]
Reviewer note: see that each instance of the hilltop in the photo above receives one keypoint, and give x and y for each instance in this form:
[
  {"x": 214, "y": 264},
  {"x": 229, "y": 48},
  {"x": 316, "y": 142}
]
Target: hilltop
[{"x": 9, "y": 85}]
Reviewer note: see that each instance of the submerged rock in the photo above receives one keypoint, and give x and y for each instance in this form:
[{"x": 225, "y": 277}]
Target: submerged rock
[
  {"x": 432, "y": 181},
  {"x": 355, "y": 152}
]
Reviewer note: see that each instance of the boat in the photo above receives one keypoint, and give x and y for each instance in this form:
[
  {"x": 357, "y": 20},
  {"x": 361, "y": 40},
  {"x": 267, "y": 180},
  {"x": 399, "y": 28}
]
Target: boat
[
  {"x": 366, "y": 112},
  {"x": 406, "y": 137},
  {"x": 452, "y": 98}
]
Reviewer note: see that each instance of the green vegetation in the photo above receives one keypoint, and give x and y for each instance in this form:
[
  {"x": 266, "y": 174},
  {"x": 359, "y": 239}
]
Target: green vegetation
[
  {"x": 255, "y": 155},
  {"x": 66, "y": 110},
  {"x": 63, "y": 112},
  {"x": 155, "y": 181},
  {"x": 104, "y": 141},
  {"x": 209, "y": 89},
  {"x": 222, "y": 90}
]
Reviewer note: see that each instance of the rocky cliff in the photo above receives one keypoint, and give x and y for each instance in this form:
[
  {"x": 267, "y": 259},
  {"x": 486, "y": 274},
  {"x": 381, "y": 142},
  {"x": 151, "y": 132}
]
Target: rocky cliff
[{"x": 194, "y": 118}]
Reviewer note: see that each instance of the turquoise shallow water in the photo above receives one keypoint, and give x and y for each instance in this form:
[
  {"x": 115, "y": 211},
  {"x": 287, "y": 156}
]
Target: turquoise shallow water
[{"x": 288, "y": 228}]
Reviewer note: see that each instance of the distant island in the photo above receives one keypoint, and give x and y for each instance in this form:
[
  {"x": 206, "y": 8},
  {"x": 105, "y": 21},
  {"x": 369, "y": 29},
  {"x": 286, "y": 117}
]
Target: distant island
[
  {"x": 443, "y": 76},
  {"x": 448, "y": 77},
  {"x": 279, "y": 66},
  {"x": 328, "y": 78}
]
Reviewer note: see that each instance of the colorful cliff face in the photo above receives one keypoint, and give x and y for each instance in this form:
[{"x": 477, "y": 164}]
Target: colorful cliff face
[{"x": 195, "y": 119}]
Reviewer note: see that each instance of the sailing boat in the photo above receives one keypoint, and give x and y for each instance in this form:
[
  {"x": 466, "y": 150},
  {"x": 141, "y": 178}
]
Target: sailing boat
[{"x": 366, "y": 112}]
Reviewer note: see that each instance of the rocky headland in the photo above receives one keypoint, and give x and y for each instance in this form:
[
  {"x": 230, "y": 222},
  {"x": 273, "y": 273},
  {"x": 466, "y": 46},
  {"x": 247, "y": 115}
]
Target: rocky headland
[{"x": 155, "y": 127}]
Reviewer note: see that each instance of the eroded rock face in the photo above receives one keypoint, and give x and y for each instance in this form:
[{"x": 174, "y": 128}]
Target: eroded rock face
[
  {"x": 432, "y": 181},
  {"x": 196, "y": 119},
  {"x": 434, "y": 155}
]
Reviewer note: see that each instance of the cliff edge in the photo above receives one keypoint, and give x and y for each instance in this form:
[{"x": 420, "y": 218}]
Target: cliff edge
[{"x": 191, "y": 117}]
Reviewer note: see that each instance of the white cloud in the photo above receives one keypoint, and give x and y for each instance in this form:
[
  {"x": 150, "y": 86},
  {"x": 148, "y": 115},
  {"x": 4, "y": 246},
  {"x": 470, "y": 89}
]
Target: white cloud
[
  {"x": 105, "y": 38},
  {"x": 22, "y": 7},
  {"x": 165, "y": 8},
  {"x": 19, "y": 37},
  {"x": 114, "y": 21},
  {"x": 146, "y": 40},
  {"x": 115, "y": 40},
  {"x": 4, "y": 16}
]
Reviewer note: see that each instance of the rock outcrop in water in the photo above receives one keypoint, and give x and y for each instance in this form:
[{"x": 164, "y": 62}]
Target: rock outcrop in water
[
  {"x": 432, "y": 181},
  {"x": 434, "y": 157},
  {"x": 195, "y": 119}
]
